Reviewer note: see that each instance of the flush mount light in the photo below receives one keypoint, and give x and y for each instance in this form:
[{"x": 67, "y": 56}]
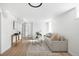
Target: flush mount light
[{"x": 35, "y": 5}]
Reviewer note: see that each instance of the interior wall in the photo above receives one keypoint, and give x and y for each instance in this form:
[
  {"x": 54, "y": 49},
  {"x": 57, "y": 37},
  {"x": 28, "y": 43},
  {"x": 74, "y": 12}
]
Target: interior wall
[
  {"x": 44, "y": 27},
  {"x": 0, "y": 32},
  {"x": 68, "y": 26},
  {"x": 6, "y": 30},
  {"x": 40, "y": 26}
]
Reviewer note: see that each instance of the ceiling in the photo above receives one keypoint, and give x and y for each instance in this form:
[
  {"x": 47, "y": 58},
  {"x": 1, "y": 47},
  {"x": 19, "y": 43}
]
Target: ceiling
[{"x": 46, "y": 11}]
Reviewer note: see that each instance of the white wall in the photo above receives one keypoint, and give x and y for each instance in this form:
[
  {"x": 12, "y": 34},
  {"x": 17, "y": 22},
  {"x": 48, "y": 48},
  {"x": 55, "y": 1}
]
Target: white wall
[
  {"x": 40, "y": 26},
  {"x": 6, "y": 30},
  {"x": 0, "y": 32},
  {"x": 68, "y": 25}
]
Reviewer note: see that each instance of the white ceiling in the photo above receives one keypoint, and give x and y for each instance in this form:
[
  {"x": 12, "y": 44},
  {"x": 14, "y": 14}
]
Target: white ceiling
[{"x": 46, "y": 11}]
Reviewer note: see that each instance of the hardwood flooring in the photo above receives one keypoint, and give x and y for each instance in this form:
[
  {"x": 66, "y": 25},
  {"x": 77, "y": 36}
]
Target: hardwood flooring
[{"x": 26, "y": 48}]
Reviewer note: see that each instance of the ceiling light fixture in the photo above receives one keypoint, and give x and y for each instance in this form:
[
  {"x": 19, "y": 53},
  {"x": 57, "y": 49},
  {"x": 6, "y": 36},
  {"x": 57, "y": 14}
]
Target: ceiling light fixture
[{"x": 35, "y": 5}]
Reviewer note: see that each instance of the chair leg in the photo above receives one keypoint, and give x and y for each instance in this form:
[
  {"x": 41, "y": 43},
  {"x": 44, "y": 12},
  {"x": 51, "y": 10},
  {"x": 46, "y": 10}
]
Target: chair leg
[{"x": 12, "y": 40}]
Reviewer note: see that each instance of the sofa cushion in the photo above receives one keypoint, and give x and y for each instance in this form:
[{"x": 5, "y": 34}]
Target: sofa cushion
[
  {"x": 62, "y": 38},
  {"x": 56, "y": 37}
]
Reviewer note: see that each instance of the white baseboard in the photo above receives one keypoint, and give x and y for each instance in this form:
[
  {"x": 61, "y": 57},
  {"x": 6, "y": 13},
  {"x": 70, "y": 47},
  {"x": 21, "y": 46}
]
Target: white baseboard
[{"x": 5, "y": 50}]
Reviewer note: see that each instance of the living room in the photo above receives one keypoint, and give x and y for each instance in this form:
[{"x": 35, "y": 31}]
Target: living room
[{"x": 45, "y": 23}]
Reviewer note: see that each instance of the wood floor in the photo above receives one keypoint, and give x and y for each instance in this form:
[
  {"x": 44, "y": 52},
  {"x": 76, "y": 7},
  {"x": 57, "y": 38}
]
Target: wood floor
[{"x": 26, "y": 48}]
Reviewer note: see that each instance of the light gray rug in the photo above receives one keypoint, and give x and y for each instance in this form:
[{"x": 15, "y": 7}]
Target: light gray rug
[{"x": 38, "y": 49}]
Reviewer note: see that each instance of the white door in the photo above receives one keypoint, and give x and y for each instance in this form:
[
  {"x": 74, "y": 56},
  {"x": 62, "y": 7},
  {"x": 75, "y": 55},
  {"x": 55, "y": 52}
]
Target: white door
[{"x": 24, "y": 30}]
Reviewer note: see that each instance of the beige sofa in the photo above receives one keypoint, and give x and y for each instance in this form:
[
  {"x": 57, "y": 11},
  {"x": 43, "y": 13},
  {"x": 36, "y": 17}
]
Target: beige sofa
[{"x": 56, "y": 43}]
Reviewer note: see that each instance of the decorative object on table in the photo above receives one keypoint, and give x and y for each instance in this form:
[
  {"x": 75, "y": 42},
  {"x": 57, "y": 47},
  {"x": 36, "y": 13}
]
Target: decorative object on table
[
  {"x": 38, "y": 34},
  {"x": 48, "y": 35}
]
